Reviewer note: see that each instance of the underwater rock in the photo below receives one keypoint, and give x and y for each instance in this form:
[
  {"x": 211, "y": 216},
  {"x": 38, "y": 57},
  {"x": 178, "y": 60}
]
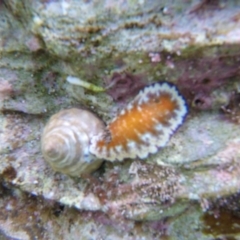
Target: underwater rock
[{"x": 193, "y": 45}]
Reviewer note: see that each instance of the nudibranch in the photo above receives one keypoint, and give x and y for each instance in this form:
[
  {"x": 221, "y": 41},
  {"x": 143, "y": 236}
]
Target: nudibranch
[{"x": 144, "y": 126}]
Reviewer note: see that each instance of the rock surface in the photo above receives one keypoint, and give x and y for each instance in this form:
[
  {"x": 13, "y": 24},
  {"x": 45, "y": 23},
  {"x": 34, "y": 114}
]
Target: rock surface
[{"x": 177, "y": 193}]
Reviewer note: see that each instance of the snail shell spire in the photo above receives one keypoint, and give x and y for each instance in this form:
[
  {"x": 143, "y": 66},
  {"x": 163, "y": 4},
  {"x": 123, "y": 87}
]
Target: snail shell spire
[
  {"x": 144, "y": 126},
  {"x": 66, "y": 138}
]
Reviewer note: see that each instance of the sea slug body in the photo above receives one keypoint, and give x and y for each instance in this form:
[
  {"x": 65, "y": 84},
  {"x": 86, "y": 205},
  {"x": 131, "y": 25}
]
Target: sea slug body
[{"x": 144, "y": 126}]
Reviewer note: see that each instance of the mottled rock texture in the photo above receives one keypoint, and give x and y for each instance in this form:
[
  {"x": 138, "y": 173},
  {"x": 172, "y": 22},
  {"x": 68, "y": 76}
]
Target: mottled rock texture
[{"x": 178, "y": 193}]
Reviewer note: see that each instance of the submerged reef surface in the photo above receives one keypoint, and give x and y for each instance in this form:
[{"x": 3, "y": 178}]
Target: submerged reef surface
[{"x": 187, "y": 190}]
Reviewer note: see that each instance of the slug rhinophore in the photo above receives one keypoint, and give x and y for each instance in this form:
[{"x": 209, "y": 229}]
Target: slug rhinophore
[
  {"x": 145, "y": 125},
  {"x": 66, "y": 139}
]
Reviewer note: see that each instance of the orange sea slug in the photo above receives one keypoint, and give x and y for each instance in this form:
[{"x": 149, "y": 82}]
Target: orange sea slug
[{"x": 145, "y": 125}]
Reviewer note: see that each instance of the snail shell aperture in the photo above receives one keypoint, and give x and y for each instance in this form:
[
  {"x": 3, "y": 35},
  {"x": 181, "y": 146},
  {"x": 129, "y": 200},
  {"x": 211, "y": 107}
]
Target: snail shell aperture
[{"x": 66, "y": 138}]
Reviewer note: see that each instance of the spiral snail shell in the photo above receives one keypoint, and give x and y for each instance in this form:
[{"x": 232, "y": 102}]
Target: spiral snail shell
[{"x": 66, "y": 138}]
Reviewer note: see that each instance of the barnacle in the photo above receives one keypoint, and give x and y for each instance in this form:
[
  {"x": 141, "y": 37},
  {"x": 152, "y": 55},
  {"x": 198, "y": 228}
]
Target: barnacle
[{"x": 66, "y": 138}]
